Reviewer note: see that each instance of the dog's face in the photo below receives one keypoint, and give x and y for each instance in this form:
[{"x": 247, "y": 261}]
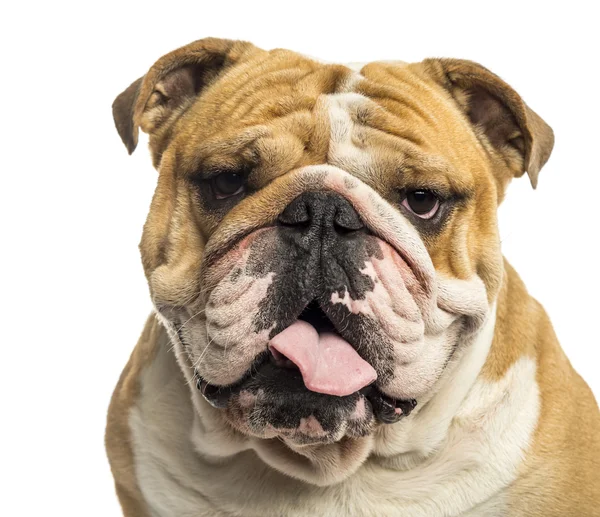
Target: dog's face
[{"x": 321, "y": 242}]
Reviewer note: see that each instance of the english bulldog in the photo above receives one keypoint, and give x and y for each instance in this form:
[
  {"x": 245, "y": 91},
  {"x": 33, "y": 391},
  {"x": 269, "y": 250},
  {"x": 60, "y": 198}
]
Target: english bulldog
[{"x": 336, "y": 330}]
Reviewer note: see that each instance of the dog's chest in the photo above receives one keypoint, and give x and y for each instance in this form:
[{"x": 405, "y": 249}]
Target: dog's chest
[
  {"x": 176, "y": 481},
  {"x": 479, "y": 457}
]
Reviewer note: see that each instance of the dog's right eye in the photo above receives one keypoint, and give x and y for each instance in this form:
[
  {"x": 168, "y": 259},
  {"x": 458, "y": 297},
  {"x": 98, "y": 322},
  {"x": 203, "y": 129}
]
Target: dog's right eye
[{"x": 228, "y": 184}]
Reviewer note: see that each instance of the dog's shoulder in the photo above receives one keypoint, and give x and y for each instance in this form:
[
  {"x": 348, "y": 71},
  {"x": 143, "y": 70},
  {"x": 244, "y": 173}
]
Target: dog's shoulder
[
  {"x": 560, "y": 474},
  {"x": 118, "y": 438}
]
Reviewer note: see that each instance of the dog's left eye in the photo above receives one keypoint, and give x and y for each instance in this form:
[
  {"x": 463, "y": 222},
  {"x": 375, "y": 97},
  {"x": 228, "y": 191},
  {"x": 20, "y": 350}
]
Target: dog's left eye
[
  {"x": 228, "y": 184},
  {"x": 421, "y": 202}
]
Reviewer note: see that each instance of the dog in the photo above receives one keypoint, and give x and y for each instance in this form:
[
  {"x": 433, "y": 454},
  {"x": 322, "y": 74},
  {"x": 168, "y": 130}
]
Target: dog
[{"x": 336, "y": 331}]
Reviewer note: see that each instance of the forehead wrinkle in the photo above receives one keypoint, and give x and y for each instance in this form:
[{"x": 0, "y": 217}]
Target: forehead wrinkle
[
  {"x": 395, "y": 101},
  {"x": 391, "y": 156},
  {"x": 375, "y": 155},
  {"x": 368, "y": 114},
  {"x": 400, "y": 124},
  {"x": 401, "y": 87},
  {"x": 286, "y": 90},
  {"x": 280, "y": 141},
  {"x": 403, "y": 84},
  {"x": 291, "y": 107},
  {"x": 299, "y": 112},
  {"x": 426, "y": 107},
  {"x": 279, "y": 153},
  {"x": 255, "y": 75},
  {"x": 195, "y": 153},
  {"x": 278, "y": 103},
  {"x": 239, "y": 92}
]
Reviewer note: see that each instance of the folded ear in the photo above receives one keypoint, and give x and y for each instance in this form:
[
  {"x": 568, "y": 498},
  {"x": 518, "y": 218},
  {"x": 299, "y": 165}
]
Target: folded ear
[
  {"x": 512, "y": 128},
  {"x": 171, "y": 85}
]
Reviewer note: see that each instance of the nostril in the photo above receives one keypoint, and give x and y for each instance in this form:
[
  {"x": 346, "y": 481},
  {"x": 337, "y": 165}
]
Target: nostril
[
  {"x": 347, "y": 221},
  {"x": 303, "y": 223},
  {"x": 345, "y": 230},
  {"x": 295, "y": 214}
]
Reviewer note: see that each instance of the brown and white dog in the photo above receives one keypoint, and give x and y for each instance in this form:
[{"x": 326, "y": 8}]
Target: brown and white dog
[{"x": 336, "y": 330}]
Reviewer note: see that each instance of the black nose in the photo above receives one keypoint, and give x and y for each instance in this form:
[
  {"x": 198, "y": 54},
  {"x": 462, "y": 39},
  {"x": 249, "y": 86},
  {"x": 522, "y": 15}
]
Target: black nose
[{"x": 326, "y": 211}]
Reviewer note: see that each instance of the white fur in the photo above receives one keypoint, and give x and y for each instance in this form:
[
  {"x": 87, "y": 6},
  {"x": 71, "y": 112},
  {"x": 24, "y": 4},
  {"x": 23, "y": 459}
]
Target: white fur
[
  {"x": 356, "y": 66},
  {"x": 343, "y": 151}
]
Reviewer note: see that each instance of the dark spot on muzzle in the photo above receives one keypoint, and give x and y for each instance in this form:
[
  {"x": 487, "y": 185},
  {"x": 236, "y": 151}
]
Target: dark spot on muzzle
[{"x": 320, "y": 248}]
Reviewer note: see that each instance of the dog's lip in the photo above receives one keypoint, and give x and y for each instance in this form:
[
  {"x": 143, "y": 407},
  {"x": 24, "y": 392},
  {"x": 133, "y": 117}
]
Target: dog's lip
[
  {"x": 386, "y": 409},
  {"x": 218, "y": 396}
]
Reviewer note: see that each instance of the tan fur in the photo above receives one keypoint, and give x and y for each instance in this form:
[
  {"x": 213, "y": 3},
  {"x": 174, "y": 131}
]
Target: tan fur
[
  {"x": 561, "y": 474},
  {"x": 118, "y": 434},
  {"x": 448, "y": 123}
]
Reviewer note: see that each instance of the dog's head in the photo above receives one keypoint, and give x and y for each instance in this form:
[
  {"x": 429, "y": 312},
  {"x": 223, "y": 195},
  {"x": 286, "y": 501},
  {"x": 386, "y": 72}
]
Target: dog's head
[{"x": 321, "y": 241}]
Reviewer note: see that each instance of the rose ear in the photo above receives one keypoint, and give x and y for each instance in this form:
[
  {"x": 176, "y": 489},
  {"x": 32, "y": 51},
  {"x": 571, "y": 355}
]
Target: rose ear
[
  {"x": 122, "y": 109},
  {"x": 499, "y": 114},
  {"x": 171, "y": 85}
]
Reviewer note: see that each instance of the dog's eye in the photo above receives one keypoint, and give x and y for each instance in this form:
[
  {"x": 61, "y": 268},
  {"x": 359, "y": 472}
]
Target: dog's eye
[
  {"x": 421, "y": 202},
  {"x": 228, "y": 184}
]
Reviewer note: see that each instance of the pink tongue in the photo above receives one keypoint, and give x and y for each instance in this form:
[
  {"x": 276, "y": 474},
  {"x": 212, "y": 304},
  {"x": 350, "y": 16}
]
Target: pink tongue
[{"x": 327, "y": 362}]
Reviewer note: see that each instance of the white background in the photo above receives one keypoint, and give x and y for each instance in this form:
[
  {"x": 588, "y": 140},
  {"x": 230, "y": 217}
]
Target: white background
[{"x": 72, "y": 202}]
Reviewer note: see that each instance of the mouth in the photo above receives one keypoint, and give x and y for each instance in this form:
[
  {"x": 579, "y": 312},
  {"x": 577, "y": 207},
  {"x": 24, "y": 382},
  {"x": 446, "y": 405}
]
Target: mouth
[{"x": 311, "y": 364}]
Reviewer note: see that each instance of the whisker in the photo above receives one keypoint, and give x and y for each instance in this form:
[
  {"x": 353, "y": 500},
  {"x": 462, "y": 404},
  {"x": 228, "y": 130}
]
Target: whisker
[{"x": 182, "y": 326}]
